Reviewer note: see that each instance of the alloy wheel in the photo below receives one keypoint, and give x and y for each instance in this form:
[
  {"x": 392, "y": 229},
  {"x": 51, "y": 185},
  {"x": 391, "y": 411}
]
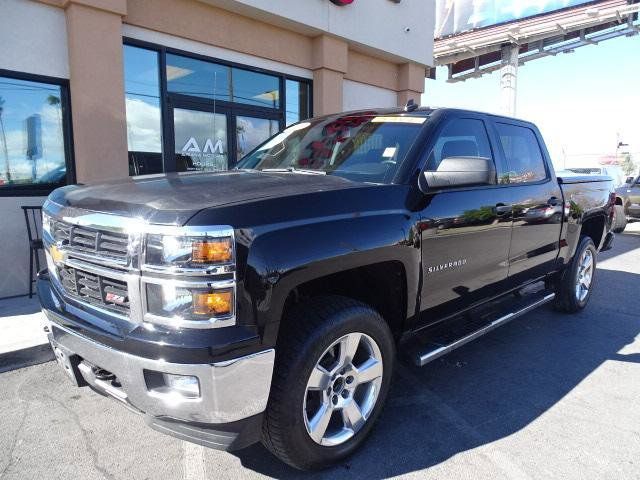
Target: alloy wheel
[
  {"x": 585, "y": 275},
  {"x": 343, "y": 389}
]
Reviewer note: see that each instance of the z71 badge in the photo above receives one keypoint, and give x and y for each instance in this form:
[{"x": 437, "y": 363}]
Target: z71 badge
[{"x": 446, "y": 266}]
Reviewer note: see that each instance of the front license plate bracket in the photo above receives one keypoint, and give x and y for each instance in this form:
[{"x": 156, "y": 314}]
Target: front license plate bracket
[{"x": 69, "y": 362}]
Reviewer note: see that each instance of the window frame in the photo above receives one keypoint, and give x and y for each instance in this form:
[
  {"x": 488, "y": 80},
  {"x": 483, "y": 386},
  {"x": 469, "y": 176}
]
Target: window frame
[
  {"x": 37, "y": 190},
  {"x": 434, "y": 135},
  {"x": 503, "y": 166},
  {"x": 170, "y": 100}
]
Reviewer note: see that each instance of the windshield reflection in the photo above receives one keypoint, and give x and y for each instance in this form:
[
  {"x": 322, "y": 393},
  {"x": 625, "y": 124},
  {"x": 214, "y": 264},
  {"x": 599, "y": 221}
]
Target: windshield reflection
[{"x": 364, "y": 147}]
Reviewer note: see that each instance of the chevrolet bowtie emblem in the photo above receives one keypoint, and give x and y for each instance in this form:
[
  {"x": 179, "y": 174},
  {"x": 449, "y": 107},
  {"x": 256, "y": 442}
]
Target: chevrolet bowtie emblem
[{"x": 56, "y": 254}]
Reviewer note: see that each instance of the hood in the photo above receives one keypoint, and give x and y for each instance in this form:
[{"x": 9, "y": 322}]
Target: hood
[{"x": 174, "y": 198}]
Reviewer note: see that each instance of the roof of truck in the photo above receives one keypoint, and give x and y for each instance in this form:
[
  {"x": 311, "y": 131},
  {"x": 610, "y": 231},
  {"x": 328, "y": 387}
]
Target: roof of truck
[{"x": 421, "y": 111}]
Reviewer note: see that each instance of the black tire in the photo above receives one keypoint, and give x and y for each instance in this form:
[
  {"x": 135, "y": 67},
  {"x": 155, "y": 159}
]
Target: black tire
[
  {"x": 619, "y": 219},
  {"x": 567, "y": 299},
  {"x": 307, "y": 332}
]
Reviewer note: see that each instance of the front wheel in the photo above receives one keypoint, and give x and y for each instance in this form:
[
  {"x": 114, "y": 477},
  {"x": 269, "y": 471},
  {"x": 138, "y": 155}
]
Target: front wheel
[
  {"x": 333, "y": 368},
  {"x": 576, "y": 282}
]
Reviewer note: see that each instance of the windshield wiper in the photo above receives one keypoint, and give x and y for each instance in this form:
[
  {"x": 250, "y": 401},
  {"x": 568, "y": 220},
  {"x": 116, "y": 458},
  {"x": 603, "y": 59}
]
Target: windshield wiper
[{"x": 303, "y": 171}]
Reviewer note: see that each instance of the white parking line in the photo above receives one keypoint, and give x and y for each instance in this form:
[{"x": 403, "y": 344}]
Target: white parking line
[{"x": 194, "y": 468}]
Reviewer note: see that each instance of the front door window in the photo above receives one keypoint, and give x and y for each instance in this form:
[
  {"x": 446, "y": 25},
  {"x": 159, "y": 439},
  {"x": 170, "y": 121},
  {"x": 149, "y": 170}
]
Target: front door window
[{"x": 200, "y": 141}]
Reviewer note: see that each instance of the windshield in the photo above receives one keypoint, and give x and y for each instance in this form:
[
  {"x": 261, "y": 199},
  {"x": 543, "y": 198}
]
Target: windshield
[{"x": 363, "y": 147}]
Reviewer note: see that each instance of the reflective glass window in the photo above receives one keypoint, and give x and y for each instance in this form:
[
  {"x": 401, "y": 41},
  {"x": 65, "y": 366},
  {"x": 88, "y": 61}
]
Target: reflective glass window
[
  {"x": 523, "y": 154},
  {"x": 32, "y": 149},
  {"x": 200, "y": 141},
  {"x": 251, "y": 132},
  {"x": 144, "y": 120},
  {"x": 254, "y": 88},
  {"x": 298, "y": 101},
  {"x": 188, "y": 76}
]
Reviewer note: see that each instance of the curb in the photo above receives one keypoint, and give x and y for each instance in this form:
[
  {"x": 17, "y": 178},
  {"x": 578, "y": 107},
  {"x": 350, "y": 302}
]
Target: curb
[{"x": 26, "y": 357}]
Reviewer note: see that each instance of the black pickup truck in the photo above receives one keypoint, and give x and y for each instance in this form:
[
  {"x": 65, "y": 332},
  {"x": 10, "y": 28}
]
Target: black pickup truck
[{"x": 267, "y": 303}]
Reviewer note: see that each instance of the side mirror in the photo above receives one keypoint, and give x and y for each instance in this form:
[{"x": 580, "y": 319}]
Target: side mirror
[{"x": 462, "y": 171}]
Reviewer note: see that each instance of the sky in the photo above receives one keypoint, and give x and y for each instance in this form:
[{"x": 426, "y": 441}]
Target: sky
[{"x": 580, "y": 101}]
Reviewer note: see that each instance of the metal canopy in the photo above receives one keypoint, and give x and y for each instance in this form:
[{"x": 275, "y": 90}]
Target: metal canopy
[{"x": 475, "y": 53}]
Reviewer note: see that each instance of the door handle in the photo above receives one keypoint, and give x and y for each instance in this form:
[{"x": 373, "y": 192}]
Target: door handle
[
  {"x": 553, "y": 201},
  {"x": 502, "y": 208}
]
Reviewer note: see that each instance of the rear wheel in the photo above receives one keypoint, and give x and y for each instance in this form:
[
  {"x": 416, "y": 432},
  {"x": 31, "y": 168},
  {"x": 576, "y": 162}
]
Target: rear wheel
[
  {"x": 619, "y": 219},
  {"x": 576, "y": 282},
  {"x": 334, "y": 362}
]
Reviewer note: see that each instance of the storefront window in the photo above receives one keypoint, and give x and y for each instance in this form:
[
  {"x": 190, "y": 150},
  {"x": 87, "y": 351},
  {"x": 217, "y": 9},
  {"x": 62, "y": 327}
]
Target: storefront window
[
  {"x": 32, "y": 135},
  {"x": 187, "y": 76},
  {"x": 200, "y": 141},
  {"x": 187, "y": 112},
  {"x": 298, "y": 101},
  {"x": 144, "y": 120},
  {"x": 256, "y": 88},
  {"x": 251, "y": 132}
]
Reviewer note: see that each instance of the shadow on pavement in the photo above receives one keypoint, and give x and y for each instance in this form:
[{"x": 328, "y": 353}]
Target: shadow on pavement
[
  {"x": 26, "y": 357},
  {"x": 488, "y": 389}
]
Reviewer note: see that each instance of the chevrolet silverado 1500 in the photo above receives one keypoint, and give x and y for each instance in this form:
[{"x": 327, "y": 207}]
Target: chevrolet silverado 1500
[{"x": 267, "y": 303}]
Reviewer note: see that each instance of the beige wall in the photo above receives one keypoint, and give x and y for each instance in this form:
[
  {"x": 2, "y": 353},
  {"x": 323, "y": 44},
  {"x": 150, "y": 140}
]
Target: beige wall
[
  {"x": 403, "y": 29},
  {"x": 97, "y": 91},
  {"x": 208, "y": 24}
]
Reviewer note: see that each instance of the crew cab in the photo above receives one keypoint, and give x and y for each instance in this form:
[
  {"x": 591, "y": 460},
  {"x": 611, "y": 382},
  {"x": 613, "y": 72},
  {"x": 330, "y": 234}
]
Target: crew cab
[
  {"x": 627, "y": 203},
  {"x": 268, "y": 303}
]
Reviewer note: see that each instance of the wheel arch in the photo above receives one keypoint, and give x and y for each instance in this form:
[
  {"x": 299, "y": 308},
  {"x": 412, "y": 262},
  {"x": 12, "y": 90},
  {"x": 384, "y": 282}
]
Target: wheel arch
[{"x": 363, "y": 258}]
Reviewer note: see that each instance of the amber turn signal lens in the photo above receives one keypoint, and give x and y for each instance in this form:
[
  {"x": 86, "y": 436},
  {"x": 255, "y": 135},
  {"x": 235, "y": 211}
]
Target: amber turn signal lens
[
  {"x": 218, "y": 303},
  {"x": 211, "y": 251}
]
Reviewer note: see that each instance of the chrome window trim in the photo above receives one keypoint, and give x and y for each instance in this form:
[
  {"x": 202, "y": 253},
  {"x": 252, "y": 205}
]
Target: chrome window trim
[{"x": 134, "y": 271}]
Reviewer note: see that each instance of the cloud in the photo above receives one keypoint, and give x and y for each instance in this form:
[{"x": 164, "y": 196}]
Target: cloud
[{"x": 143, "y": 126}]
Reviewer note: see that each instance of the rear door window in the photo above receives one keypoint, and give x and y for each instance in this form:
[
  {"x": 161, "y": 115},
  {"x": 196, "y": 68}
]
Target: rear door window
[{"x": 525, "y": 162}]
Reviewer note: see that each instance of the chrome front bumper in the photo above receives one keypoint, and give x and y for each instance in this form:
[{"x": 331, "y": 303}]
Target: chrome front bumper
[{"x": 229, "y": 391}]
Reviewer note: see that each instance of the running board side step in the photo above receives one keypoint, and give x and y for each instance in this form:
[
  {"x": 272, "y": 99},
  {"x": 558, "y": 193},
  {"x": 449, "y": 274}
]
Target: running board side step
[{"x": 434, "y": 351}]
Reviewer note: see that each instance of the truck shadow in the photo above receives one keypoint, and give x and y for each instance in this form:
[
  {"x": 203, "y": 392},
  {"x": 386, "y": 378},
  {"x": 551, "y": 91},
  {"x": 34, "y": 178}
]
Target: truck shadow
[{"x": 489, "y": 389}]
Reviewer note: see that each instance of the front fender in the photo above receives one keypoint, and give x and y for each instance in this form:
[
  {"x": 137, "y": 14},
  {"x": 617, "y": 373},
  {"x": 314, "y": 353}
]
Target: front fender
[{"x": 280, "y": 260}]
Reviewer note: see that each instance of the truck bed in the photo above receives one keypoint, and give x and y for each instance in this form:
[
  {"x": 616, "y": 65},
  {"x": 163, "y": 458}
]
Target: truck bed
[{"x": 571, "y": 178}]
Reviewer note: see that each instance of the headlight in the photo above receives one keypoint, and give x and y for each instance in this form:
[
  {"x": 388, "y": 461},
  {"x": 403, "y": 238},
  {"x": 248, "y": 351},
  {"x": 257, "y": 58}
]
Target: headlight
[
  {"x": 187, "y": 303},
  {"x": 188, "y": 252}
]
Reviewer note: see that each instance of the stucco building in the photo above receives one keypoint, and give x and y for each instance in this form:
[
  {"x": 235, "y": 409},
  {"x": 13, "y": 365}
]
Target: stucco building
[{"x": 92, "y": 90}]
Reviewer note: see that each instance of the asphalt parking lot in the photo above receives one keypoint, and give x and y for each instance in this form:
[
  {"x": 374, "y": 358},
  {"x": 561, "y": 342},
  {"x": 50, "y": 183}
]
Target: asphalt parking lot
[{"x": 548, "y": 396}]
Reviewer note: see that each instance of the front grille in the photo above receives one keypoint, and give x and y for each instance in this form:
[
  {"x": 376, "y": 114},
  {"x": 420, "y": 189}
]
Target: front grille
[
  {"x": 94, "y": 289},
  {"x": 91, "y": 241}
]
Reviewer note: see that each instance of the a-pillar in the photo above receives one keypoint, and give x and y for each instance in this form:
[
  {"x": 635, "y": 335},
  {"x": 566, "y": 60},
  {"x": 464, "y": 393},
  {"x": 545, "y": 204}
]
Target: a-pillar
[
  {"x": 509, "y": 79},
  {"x": 410, "y": 83},
  {"x": 330, "y": 60},
  {"x": 94, "y": 30}
]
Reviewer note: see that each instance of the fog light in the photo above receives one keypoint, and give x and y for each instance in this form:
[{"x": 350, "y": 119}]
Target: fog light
[
  {"x": 218, "y": 303},
  {"x": 186, "y": 385}
]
